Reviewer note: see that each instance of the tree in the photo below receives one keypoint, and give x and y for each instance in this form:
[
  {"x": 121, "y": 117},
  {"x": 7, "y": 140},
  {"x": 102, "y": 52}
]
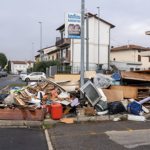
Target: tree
[
  {"x": 3, "y": 60},
  {"x": 9, "y": 66},
  {"x": 42, "y": 65}
]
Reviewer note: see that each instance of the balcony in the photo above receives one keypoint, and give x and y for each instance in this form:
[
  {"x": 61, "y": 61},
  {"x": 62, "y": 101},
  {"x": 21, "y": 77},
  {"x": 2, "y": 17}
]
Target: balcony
[{"x": 63, "y": 42}]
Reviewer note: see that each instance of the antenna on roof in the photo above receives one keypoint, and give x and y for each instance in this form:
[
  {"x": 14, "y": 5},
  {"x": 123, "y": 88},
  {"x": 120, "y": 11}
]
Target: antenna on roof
[{"x": 128, "y": 43}]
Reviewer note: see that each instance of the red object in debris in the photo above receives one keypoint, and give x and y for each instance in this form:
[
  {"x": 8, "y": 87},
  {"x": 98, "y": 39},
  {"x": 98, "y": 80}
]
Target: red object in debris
[
  {"x": 48, "y": 109},
  {"x": 54, "y": 94},
  {"x": 44, "y": 96},
  {"x": 56, "y": 111}
]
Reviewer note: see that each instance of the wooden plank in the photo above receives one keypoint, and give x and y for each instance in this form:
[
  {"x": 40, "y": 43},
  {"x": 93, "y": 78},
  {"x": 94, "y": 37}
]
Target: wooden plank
[
  {"x": 113, "y": 95},
  {"x": 128, "y": 92},
  {"x": 135, "y": 76},
  {"x": 37, "y": 115}
]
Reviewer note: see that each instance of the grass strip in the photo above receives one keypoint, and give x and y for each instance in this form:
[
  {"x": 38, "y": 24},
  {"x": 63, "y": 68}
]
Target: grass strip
[{"x": 17, "y": 84}]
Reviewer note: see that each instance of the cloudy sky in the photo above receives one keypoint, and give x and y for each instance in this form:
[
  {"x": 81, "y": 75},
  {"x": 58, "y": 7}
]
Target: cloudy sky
[{"x": 19, "y": 22}]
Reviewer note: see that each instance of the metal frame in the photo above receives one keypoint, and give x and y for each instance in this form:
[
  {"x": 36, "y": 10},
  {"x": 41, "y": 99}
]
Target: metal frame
[{"x": 82, "y": 91}]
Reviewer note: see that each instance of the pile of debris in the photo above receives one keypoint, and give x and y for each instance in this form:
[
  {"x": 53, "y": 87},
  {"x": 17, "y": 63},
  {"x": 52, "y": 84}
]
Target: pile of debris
[{"x": 101, "y": 94}]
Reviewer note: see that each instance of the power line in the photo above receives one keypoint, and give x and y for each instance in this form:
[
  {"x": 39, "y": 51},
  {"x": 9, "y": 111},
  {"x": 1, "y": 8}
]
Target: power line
[{"x": 117, "y": 41}]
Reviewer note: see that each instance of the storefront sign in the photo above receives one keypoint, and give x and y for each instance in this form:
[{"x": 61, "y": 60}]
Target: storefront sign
[{"x": 73, "y": 25}]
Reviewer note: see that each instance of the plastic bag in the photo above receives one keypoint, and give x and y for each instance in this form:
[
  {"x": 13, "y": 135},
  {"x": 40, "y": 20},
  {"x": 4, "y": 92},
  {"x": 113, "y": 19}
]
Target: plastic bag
[
  {"x": 116, "y": 76},
  {"x": 115, "y": 107},
  {"x": 9, "y": 100},
  {"x": 101, "y": 106},
  {"x": 135, "y": 108},
  {"x": 2, "y": 97},
  {"x": 64, "y": 95},
  {"x": 102, "y": 81}
]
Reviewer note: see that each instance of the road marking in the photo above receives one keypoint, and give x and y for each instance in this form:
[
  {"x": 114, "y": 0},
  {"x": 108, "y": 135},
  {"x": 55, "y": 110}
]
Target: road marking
[
  {"x": 49, "y": 144},
  {"x": 129, "y": 129},
  {"x": 93, "y": 133}
]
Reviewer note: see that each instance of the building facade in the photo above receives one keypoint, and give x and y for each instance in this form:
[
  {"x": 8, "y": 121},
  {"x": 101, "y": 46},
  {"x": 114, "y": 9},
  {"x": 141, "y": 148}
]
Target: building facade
[
  {"x": 71, "y": 48},
  {"x": 131, "y": 53},
  {"x": 68, "y": 51},
  {"x": 18, "y": 66}
]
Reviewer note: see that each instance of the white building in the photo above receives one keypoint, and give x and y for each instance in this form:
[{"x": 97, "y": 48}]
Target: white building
[
  {"x": 71, "y": 49},
  {"x": 18, "y": 66},
  {"x": 126, "y": 65},
  {"x": 131, "y": 53}
]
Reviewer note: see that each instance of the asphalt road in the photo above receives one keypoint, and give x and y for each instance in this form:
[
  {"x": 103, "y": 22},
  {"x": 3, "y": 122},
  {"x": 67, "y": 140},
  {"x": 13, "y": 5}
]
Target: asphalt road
[
  {"x": 10, "y": 79},
  {"x": 101, "y": 136},
  {"x": 22, "y": 139}
]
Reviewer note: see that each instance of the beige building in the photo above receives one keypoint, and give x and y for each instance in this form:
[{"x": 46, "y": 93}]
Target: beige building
[
  {"x": 130, "y": 53},
  {"x": 30, "y": 64}
]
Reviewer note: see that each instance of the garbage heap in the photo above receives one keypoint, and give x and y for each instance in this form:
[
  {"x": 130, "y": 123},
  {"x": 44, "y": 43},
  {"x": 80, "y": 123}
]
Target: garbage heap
[{"x": 101, "y": 94}]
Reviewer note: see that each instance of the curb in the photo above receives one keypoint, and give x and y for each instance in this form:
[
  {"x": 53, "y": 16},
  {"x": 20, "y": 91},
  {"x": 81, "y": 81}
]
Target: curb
[
  {"x": 4, "y": 89},
  {"x": 21, "y": 123}
]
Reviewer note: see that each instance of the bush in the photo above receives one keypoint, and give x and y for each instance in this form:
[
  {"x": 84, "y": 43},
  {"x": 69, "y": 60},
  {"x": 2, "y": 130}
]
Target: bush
[{"x": 42, "y": 65}]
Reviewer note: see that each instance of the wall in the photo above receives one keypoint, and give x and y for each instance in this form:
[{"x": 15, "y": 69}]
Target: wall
[
  {"x": 53, "y": 54},
  {"x": 37, "y": 59},
  {"x": 130, "y": 55},
  {"x": 125, "y": 66},
  {"x": 20, "y": 67},
  {"x": 127, "y": 55},
  {"x": 145, "y": 63},
  {"x": 28, "y": 65},
  {"x": 72, "y": 77}
]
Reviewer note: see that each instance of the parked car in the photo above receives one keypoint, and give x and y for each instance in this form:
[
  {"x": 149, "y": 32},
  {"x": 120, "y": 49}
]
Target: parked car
[
  {"x": 23, "y": 73},
  {"x": 4, "y": 74},
  {"x": 34, "y": 76}
]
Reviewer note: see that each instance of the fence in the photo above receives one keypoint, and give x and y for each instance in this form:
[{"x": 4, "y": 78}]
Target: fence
[
  {"x": 65, "y": 69},
  {"x": 76, "y": 70}
]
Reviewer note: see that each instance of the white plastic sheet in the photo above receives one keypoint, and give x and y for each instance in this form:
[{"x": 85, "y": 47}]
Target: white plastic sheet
[{"x": 102, "y": 81}]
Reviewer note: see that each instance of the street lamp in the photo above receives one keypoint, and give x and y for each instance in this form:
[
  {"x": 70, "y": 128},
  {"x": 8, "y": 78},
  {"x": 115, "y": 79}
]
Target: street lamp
[
  {"x": 98, "y": 37},
  {"x": 33, "y": 51},
  {"x": 41, "y": 42}
]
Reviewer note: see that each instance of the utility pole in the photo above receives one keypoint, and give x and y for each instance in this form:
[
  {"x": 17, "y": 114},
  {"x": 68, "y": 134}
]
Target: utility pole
[
  {"x": 98, "y": 38},
  {"x": 109, "y": 52},
  {"x": 33, "y": 51},
  {"x": 87, "y": 42},
  {"x": 41, "y": 42},
  {"x": 82, "y": 45},
  {"x": 72, "y": 53}
]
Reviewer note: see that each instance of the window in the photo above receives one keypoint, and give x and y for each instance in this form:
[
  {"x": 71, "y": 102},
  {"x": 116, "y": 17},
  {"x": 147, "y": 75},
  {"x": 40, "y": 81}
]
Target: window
[
  {"x": 139, "y": 58},
  {"x": 53, "y": 57},
  {"x": 24, "y": 66},
  {"x": 131, "y": 69},
  {"x": 49, "y": 57},
  {"x": 40, "y": 73},
  {"x": 137, "y": 68},
  {"x": 34, "y": 74},
  {"x": 15, "y": 66},
  {"x": 19, "y": 66}
]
